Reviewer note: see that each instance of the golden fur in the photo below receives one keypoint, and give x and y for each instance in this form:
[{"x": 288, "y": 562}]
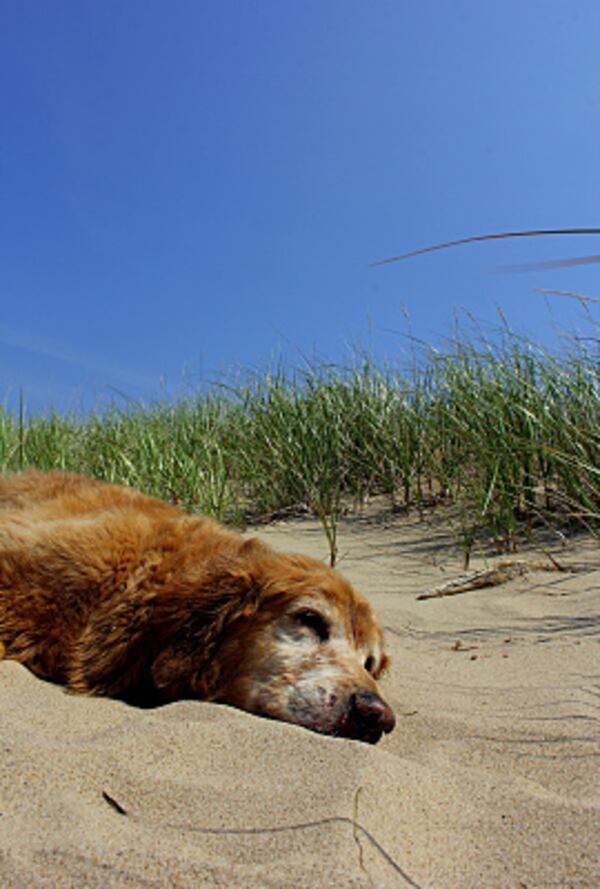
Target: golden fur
[{"x": 111, "y": 592}]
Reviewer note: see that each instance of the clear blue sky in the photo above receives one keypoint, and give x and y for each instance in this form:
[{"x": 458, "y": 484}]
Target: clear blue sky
[{"x": 188, "y": 187}]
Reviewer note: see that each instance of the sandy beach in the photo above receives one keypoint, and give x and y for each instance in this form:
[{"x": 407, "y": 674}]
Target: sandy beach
[{"x": 489, "y": 780}]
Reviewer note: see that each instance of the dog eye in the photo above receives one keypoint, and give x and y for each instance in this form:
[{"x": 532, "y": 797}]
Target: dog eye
[
  {"x": 314, "y": 622},
  {"x": 369, "y": 664}
]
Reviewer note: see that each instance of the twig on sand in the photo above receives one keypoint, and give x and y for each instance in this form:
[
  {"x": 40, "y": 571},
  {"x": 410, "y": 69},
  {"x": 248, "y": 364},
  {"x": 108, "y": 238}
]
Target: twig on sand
[
  {"x": 112, "y": 802},
  {"x": 498, "y": 574},
  {"x": 477, "y": 580}
]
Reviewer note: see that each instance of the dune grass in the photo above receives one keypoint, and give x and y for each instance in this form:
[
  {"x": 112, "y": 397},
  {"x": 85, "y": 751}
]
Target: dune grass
[{"x": 505, "y": 435}]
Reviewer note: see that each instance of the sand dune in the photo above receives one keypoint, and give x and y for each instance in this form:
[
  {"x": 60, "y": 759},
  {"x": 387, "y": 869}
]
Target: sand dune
[{"x": 490, "y": 779}]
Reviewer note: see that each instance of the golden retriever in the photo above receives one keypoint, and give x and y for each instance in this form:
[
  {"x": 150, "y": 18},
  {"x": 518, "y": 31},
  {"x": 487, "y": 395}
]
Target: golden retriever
[{"x": 111, "y": 592}]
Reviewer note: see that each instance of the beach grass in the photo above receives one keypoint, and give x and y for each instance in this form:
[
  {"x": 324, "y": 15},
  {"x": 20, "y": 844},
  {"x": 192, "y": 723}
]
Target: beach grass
[{"x": 504, "y": 435}]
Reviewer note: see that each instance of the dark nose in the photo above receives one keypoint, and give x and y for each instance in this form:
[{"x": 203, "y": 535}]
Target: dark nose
[{"x": 370, "y": 716}]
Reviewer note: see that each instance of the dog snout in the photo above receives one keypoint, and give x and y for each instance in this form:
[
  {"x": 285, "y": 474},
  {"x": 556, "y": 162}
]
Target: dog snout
[{"x": 371, "y": 716}]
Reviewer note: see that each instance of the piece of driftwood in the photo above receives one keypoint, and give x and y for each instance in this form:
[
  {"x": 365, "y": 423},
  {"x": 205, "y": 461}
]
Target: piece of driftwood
[
  {"x": 498, "y": 574},
  {"x": 477, "y": 580}
]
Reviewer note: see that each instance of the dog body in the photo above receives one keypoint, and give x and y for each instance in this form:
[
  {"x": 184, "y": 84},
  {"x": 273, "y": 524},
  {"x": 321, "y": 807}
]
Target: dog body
[{"x": 111, "y": 592}]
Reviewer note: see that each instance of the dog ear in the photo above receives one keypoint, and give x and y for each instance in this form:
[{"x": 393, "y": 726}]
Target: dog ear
[
  {"x": 110, "y": 657},
  {"x": 160, "y": 645},
  {"x": 191, "y": 663}
]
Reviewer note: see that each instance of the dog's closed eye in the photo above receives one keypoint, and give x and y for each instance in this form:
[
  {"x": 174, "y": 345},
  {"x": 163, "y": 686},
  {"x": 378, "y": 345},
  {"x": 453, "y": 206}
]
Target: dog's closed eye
[{"x": 314, "y": 621}]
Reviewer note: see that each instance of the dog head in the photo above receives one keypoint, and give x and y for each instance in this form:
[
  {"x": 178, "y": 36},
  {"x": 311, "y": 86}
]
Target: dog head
[
  {"x": 281, "y": 636},
  {"x": 296, "y": 643}
]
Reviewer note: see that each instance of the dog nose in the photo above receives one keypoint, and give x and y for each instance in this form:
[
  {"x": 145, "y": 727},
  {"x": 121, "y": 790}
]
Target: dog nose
[{"x": 371, "y": 715}]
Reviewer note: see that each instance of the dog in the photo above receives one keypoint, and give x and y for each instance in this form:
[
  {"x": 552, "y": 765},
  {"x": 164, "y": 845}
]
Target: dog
[{"x": 112, "y": 592}]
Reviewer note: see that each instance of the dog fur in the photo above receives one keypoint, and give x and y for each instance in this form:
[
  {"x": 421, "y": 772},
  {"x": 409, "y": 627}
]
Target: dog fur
[{"x": 112, "y": 592}]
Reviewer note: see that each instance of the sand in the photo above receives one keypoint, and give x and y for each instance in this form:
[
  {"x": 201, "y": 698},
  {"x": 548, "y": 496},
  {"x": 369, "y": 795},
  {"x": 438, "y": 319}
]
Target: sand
[{"x": 491, "y": 778}]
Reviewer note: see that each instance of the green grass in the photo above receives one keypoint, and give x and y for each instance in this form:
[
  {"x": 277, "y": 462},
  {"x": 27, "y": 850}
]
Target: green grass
[{"x": 506, "y": 435}]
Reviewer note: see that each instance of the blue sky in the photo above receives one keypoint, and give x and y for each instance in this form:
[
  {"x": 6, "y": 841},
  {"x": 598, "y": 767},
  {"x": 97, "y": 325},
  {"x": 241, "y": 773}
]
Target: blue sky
[{"x": 191, "y": 187}]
